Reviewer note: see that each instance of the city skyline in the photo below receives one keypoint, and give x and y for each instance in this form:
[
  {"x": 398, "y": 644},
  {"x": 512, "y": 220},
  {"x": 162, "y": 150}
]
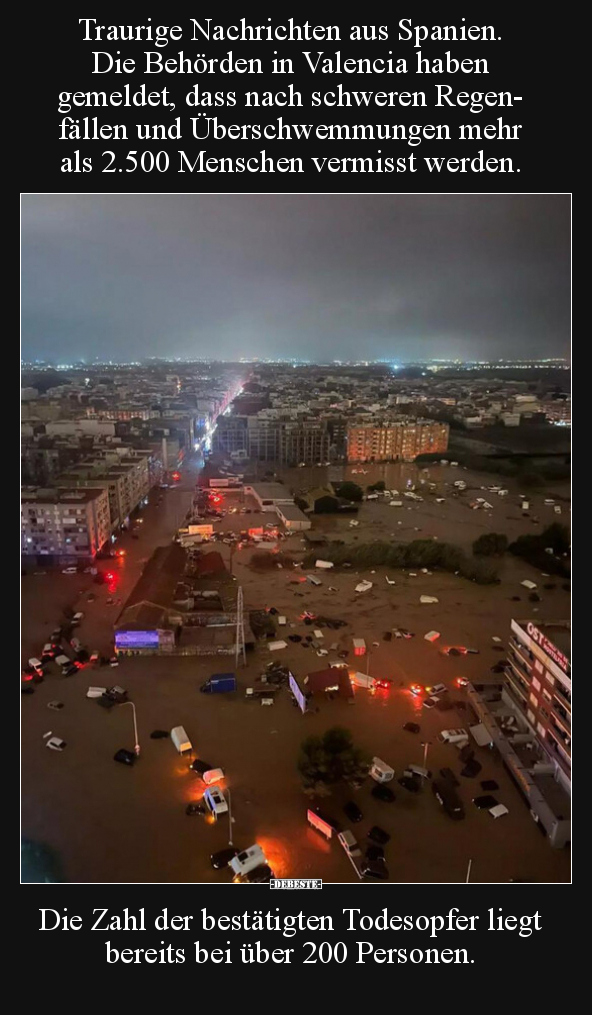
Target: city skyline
[{"x": 409, "y": 278}]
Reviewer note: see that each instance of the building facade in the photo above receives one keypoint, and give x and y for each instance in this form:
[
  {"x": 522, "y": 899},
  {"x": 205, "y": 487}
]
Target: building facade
[
  {"x": 403, "y": 439},
  {"x": 63, "y": 526},
  {"x": 538, "y": 679}
]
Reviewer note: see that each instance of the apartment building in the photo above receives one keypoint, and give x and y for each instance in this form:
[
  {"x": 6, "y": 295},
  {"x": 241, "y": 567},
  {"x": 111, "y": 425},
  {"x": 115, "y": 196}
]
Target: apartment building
[
  {"x": 395, "y": 439},
  {"x": 538, "y": 679},
  {"x": 61, "y": 526}
]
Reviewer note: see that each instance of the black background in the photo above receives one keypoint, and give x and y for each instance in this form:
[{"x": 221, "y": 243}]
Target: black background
[{"x": 533, "y": 61}]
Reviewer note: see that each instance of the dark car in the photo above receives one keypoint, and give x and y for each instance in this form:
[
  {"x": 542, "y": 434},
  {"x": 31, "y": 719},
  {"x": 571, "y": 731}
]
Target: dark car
[
  {"x": 376, "y": 869},
  {"x": 449, "y": 775},
  {"x": 485, "y": 802},
  {"x": 444, "y": 705},
  {"x": 222, "y": 858},
  {"x": 411, "y": 727},
  {"x": 260, "y": 875},
  {"x": 471, "y": 769},
  {"x": 375, "y": 853},
  {"x": 378, "y": 835},
  {"x": 69, "y": 671},
  {"x": 410, "y": 782},
  {"x": 383, "y": 793},
  {"x": 353, "y": 812},
  {"x": 448, "y": 799},
  {"x": 27, "y": 689},
  {"x": 124, "y": 756},
  {"x": 489, "y": 784},
  {"x": 199, "y": 767}
]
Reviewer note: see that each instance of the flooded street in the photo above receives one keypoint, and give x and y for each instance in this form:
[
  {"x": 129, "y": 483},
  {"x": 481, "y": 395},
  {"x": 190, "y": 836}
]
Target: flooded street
[{"x": 110, "y": 823}]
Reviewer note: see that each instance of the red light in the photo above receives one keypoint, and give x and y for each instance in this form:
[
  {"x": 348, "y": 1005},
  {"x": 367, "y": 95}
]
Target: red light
[{"x": 176, "y": 476}]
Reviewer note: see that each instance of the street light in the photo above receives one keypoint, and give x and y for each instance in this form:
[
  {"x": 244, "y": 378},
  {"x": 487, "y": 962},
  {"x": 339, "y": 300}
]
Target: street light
[
  {"x": 230, "y": 843},
  {"x": 425, "y": 744},
  {"x": 136, "y": 745},
  {"x": 468, "y": 877}
]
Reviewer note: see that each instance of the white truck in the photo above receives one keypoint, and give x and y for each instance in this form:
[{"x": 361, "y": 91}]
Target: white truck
[
  {"x": 181, "y": 740},
  {"x": 380, "y": 771},
  {"x": 363, "y": 680}
]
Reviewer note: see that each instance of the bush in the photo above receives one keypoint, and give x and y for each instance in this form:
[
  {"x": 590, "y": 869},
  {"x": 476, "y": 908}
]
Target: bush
[
  {"x": 267, "y": 560},
  {"x": 331, "y": 758},
  {"x": 419, "y": 553},
  {"x": 490, "y": 544},
  {"x": 349, "y": 491},
  {"x": 533, "y": 549}
]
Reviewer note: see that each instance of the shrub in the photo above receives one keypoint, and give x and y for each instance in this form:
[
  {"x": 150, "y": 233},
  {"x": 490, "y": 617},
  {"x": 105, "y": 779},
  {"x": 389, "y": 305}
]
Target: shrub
[{"x": 490, "y": 544}]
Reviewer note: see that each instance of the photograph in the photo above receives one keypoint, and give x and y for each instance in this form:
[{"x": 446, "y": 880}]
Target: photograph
[{"x": 296, "y": 496}]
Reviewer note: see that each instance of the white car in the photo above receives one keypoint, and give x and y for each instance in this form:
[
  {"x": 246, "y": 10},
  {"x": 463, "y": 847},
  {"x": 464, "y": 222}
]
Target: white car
[
  {"x": 215, "y": 801},
  {"x": 55, "y": 744},
  {"x": 498, "y": 811},
  {"x": 349, "y": 843},
  {"x": 456, "y": 736},
  {"x": 437, "y": 689},
  {"x": 70, "y": 570},
  {"x": 431, "y": 702}
]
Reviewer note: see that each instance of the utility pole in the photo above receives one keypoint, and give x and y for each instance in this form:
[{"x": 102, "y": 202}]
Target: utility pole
[
  {"x": 468, "y": 877},
  {"x": 240, "y": 629}
]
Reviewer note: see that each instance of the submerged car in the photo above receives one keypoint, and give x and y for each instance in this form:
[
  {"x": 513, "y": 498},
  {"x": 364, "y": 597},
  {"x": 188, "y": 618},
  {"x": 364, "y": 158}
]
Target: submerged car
[
  {"x": 485, "y": 802},
  {"x": 411, "y": 727},
  {"x": 378, "y": 835},
  {"x": 124, "y": 756},
  {"x": 353, "y": 812},
  {"x": 383, "y": 793},
  {"x": 55, "y": 744},
  {"x": 222, "y": 858},
  {"x": 376, "y": 869}
]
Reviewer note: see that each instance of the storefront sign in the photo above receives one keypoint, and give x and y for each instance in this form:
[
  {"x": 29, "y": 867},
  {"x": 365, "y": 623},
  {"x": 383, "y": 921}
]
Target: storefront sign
[{"x": 548, "y": 647}]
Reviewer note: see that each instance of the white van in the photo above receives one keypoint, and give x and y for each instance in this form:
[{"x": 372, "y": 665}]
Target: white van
[
  {"x": 453, "y": 736},
  {"x": 246, "y": 861},
  {"x": 36, "y": 664},
  {"x": 215, "y": 801},
  {"x": 420, "y": 771},
  {"x": 363, "y": 680},
  {"x": 181, "y": 740},
  {"x": 380, "y": 771},
  {"x": 349, "y": 843}
]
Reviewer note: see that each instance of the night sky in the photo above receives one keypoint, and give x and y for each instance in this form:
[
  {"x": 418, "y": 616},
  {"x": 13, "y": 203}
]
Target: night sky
[{"x": 314, "y": 277}]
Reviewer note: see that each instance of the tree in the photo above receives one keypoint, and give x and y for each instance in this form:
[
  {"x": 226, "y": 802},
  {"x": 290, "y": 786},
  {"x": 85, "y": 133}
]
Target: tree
[
  {"x": 490, "y": 544},
  {"x": 331, "y": 758},
  {"x": 349, "y": 491}
]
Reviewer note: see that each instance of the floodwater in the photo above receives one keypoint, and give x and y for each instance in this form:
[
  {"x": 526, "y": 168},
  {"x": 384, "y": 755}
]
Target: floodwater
[{"x": 109, "y": 823}]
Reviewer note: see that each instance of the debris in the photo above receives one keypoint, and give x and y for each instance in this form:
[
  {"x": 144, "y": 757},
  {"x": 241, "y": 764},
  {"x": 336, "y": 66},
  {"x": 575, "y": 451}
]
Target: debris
[
  {"x": 56, "y": 705},
  {"x": 326, "y": 564},
  {"x": 363, "y": 586},
  {"x": 389, "y": 581},
  {"x": 96, "y": 692},
  {"x": 495, "y": 638},
  {"x": 55, "y": 744},
  {"x": 275, "y": 646},
  {"x": 528, "y": 584},
  {"x": 428, "y": 599},
  {"x": 432, "y": 636}
]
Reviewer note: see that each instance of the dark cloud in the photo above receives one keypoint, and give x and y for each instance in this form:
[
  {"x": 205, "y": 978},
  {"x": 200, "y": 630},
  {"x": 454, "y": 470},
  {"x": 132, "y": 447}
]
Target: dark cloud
[{"x": 314, "y": 276}]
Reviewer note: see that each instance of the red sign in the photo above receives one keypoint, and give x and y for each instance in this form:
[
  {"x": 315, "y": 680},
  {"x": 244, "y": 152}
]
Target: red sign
[{"x": 548, "y": 647}]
